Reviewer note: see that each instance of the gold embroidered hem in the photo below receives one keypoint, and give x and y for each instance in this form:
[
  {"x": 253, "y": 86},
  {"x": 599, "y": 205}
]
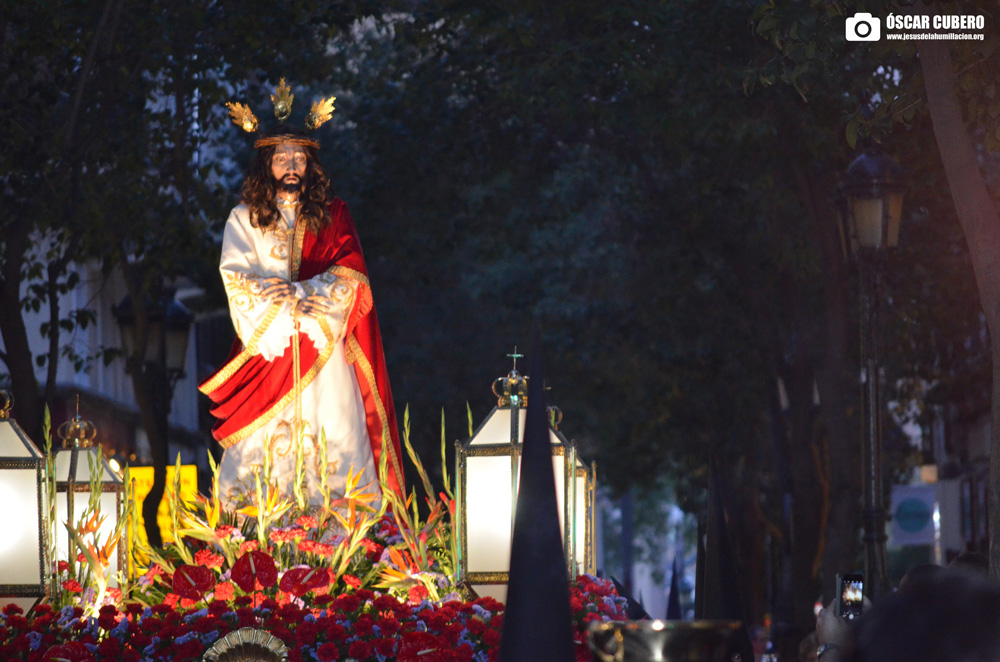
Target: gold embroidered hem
[
  {"x": 248, "y": 352},
  {"x": 263, "y": 419}
]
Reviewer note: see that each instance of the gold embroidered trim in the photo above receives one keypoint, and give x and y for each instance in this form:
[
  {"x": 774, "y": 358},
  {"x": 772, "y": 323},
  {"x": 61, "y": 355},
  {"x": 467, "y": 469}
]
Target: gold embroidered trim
[
  {"x": 263, "y": 419},
  {"x": 243, "y": 290},
  {"x": 295, "y": 253},
  {"x": 250, "y": 350},
  {"x": 281, "y": 249},
  {"x": 366, "y": 369},
  {"x": 347, "y": 272}
]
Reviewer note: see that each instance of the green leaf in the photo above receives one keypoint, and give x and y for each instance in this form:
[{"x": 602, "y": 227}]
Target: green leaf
[{"x": 851, "y": 134}]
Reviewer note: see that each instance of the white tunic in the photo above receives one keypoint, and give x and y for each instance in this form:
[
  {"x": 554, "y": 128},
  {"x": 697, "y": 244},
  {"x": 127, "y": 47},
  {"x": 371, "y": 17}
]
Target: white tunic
[{"x": 331, "y": 401}]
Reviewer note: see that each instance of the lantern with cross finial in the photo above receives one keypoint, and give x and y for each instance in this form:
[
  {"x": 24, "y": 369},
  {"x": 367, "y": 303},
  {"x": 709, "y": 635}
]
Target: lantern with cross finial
[
  {"x": 23, "y": 521},
  {"x": 487, "y": 472},
  {"x": 87, "y": 490}
]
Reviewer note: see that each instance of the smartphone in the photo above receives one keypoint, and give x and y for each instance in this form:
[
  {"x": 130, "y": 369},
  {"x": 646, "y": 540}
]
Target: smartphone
[{"x": 850, "y": 594}]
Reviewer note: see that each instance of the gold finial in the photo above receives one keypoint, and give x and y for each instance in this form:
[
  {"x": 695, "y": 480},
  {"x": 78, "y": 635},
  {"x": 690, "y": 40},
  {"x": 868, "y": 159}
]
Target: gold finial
[
  {"x": 282, "y": 100},
  {"x": 512, "y": 390},
  {"x": 320, "y": 112},
  {"x": 8, "y": 404},
  {"x": 242, "y": 116},
  {"x": 77, "y": 433}
]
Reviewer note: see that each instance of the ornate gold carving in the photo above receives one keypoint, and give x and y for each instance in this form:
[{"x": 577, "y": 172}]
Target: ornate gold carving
[
  {"x": 282, "y": 100},
  {"x": 320, "y": 112},
  {"x": 242, "y": 116}
]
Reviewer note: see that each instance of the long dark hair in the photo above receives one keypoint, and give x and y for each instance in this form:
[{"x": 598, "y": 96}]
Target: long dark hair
[{"x": 260, "y": 189}]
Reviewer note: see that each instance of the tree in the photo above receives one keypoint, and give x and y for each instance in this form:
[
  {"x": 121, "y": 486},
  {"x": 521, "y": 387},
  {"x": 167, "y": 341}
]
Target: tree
[{"x": 899, "y": 100}]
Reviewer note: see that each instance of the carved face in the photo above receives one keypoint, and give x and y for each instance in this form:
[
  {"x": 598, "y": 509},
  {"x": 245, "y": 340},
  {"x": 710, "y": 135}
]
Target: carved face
[{"x": 288, "y": 165}]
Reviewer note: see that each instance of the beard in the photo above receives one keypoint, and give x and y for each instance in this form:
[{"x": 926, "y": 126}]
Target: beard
[{"x": 291, "y": 184}]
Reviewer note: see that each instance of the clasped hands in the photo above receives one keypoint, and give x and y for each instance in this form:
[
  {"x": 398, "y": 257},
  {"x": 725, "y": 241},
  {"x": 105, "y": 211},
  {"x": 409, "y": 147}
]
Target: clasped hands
[{"x": 314, "y": 305}]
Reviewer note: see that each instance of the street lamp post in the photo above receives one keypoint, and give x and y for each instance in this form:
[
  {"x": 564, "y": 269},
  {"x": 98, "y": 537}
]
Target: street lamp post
[
  {"x": 873, "y": 186},
  {"x": 156, "y": 371}
]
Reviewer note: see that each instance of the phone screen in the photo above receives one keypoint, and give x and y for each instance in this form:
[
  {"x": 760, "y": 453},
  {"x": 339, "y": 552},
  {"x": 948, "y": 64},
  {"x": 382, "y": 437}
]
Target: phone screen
[{"x": 851, "y": 595}]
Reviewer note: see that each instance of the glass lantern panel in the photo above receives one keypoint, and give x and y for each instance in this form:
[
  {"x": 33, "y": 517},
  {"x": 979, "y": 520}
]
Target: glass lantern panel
[
  {"x": 81, "y": 503},
  {"x": 868, "y": 222},
  {"x": 488, "y": 513},
  {"x": 83, "y": 463},
  {"x": 14, "y": 443},
  {"x": 177, "y": 342},
  {"x": 580, "y": 485},
  {"x": 20, "y": 543}
]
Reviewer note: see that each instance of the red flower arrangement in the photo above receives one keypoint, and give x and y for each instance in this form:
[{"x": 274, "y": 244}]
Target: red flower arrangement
[{"x": 363, "y": 625}]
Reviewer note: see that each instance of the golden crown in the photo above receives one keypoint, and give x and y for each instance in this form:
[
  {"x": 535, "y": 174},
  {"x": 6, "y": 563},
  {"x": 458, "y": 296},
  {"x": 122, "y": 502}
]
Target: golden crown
[{"x": 320, "y": 112}]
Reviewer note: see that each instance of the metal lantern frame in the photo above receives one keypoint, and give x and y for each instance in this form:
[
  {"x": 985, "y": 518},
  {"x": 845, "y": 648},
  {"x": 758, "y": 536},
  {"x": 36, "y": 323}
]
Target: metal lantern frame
[
  {"x": 73, "y": 464},
  {"x": 872, "y": 194},
  {"x": 29, "y": 460},
  {"x": 577, "y": 496}
]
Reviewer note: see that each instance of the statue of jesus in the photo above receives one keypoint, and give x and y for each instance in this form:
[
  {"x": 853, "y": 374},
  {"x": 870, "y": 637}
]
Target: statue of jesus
[{"x": 308, "y": 356}]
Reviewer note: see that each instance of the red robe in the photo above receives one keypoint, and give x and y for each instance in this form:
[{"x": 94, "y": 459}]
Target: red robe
[{"x": 247, "y": 386}]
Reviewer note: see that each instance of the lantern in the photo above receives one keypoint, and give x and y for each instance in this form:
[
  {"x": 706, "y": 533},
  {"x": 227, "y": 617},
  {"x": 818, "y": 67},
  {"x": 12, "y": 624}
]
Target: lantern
[
  {"x": 23, "y": 546},
  {"x": 75, "y": 466},
  {"x": 487, "y": 471},
  {"x": 873, "y": 186}
]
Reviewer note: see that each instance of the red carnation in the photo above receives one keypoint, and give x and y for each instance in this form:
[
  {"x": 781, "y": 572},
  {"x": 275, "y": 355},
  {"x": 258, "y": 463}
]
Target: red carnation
[
  {"x": 422, "y": 647},
  {"x": 362, "y": 650},
  {"x": 373, "y": 549},
  {"x": 328, "y": 652},
  {"x": 72, "y": 586},
  {"x": 108, "y": 617},
  {"x": 192, "y": 582},
  {"x": 224, "y": 591},
  {"x": 385, "y": 646},
  {"x": 307, "y": 522},
  {"x": 223, "y": 531},
  {"x": 417, "y": 593},
  {"x": 388, "y": 626},
  {"x": 348, "y": 603},
  {"x": 208, "y": 559},
  {"x": 491, "y": 637},
  {"x": 254, "y": 565},
  {"x": 110, "y": 648},
  {"x": 73, "y": 651},
  {"x": 299, "y": 581},
  {"x": 336, "y": 632}
]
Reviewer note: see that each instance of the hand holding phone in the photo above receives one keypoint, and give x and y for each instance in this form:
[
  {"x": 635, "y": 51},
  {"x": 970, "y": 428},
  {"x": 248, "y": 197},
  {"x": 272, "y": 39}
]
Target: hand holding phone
[{"x": 850, "y": 595}]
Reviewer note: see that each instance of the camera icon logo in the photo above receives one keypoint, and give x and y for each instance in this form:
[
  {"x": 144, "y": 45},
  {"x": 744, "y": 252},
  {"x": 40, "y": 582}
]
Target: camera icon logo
[{"x": 863, "y": 27}]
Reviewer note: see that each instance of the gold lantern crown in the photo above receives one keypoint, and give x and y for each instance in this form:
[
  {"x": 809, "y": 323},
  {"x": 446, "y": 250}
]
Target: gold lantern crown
[{"x": 320, "y": 112}]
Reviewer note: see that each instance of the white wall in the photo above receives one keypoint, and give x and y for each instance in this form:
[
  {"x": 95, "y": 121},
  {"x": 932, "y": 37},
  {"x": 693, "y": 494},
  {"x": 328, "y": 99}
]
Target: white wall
[{"x": 100, "y": 294}]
